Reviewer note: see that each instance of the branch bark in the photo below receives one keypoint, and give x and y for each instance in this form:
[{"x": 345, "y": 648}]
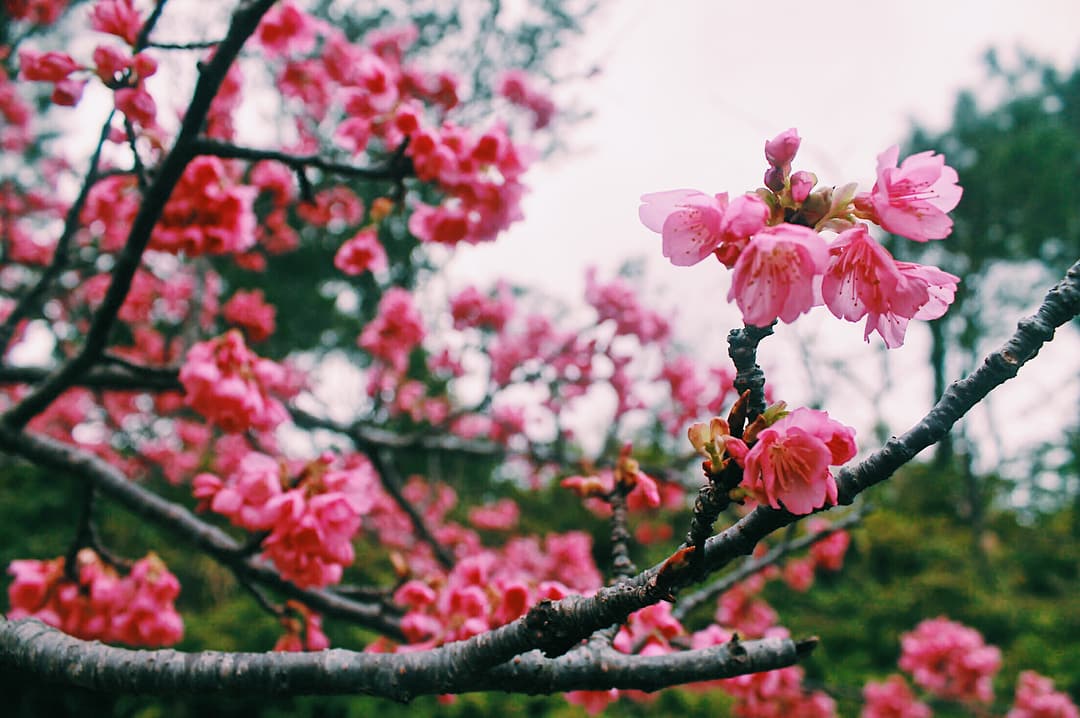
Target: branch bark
[{"x": 32, "y": 646}]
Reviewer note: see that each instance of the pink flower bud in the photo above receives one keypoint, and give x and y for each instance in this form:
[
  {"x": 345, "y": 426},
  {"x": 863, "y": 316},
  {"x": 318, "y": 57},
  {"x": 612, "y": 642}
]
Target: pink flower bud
[{"x": 780, "y": 151}]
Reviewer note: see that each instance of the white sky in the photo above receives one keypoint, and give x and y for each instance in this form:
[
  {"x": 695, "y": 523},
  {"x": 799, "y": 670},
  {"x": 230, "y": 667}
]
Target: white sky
[{"x": 687, "y": 95}]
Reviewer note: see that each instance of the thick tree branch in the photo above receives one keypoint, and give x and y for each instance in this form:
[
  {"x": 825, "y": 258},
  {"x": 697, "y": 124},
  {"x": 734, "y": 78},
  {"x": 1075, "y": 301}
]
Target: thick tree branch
[
  {"x": 244, "y": 21},
  {"x": 31, "y": 646},
  {"x": 119, "y": 378}
]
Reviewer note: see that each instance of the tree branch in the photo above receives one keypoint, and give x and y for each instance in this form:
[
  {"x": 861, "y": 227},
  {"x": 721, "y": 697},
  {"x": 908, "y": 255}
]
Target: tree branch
[
  {"x": 751, "y": 566},
  {"x": 31, "y": 646},
  {"x": 742, "y": 348},
  {"x": 1060, "y": 305},
  {"x": 556, "y": 627},
  {"x": 118, "y": 377},
  {"x": 391, "y": 483},
  {"x": 396, "y": 168}
]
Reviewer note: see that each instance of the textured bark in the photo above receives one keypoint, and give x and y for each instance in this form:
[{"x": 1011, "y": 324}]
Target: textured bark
[{"x": 31, "y": 646}]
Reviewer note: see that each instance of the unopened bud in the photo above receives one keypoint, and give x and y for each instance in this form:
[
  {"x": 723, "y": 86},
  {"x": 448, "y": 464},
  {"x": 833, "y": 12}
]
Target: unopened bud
[
  {"x": 780, "y": 150},
  {"x": 381, "y": 207},
  {"x": 774, "y": 179},
  {"x": 801, "y": 184}
]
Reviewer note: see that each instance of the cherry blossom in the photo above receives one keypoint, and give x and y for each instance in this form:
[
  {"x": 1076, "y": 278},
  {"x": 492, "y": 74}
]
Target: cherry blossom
[
  {"x": 892, "y": 699},
  {"x": 862, "y": 279},
  {"x": 913, "y": 200},
  {"x": 99, "y": 604},
  {"x": 775, "y": 274},
  {"x": 950, "y": 660},
  {"x": 116, "y": 17},
  {"x": 1036, "y": 698},
  {"x": 362, "y": 253},
  {"x": 396, "y": 329},
  {"x": 694, "y": 225},
  {"x": 789, "y": 463},
  {"x": 250, "y": 311},
  {"x": 230, "y": 385}
]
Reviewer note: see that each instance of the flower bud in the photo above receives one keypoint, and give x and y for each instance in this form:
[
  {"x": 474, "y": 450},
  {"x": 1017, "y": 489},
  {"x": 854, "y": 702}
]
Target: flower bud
[
  {"x": 780, "y": 150},
  {"x": 801, "y": 184}
]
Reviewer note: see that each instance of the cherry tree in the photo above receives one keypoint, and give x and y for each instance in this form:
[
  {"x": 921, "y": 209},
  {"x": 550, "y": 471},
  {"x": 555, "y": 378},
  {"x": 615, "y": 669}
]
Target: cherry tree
[{"x": 184, "y": 247}]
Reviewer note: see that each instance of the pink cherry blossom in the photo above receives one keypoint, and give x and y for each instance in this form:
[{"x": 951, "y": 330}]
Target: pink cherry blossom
[
  {"x": 362, "y": 253},
  {"x": 913, "y": 200},
  {"x": 775, "y": 274},
  {"x": 892, "y": 699},
  {"x": 250, "y": 311},
  {"x": 67, "y": 93},
  {"x": 950, "y": 660},
  {"x": 39, "y": 12},
  {"x": 1036, "y": 698},
  {"x": 789, "y": 463},
  {"x": 694, "y": 225},
  {"x": 501, "y": 515},
  {"x": 617, "y": 300},
  {"x": 46, "y": 66},
  {"x": 208, "y": 212},
  {"x": 828, "y": 553},
  {"x": 99, "y": 604},
  {"x": 777, "y": 694},
  {"x": 396, "y": 329},
  {"x": 472, "y": 308},
  {"x": 286, "y": 29},
  {"x": 116, "y": 17},
  {"x": 863, "y": 279},
  {"x": 229, "y": 384}
]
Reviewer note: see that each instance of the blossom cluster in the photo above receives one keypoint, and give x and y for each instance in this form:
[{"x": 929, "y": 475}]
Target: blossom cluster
[
  {"x": 310, "y": 519},
  {"x": 785, "y": 455},
  {"x": 99, "y": 604},
  {"x": 231, "y": 386},
  {"x": 782, "y": 264},
  {"x": 519, "y": 88},
  {"x": 490, "y": 588},
  {"x": 1036, "y": 698},
  {"x": 387, "y": 104},
  {"x": 950, "y": 660}
]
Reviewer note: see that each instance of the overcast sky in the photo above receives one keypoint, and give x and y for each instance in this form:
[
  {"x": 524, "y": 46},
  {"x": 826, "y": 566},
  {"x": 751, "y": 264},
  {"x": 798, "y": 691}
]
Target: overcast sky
[{"x": 687, "y": 95}]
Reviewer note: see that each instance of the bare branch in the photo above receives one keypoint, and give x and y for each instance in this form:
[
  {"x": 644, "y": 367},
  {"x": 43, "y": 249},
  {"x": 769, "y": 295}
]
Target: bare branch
[
  {"x": 60, "y": 254},
  {"x": 751, "y": 566},
  {"x": 742, "y": 348},
  {"x": 30, "y": 645},
  {"x": 391, "y": 483},
  {"x": 396, "y": 168}
]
